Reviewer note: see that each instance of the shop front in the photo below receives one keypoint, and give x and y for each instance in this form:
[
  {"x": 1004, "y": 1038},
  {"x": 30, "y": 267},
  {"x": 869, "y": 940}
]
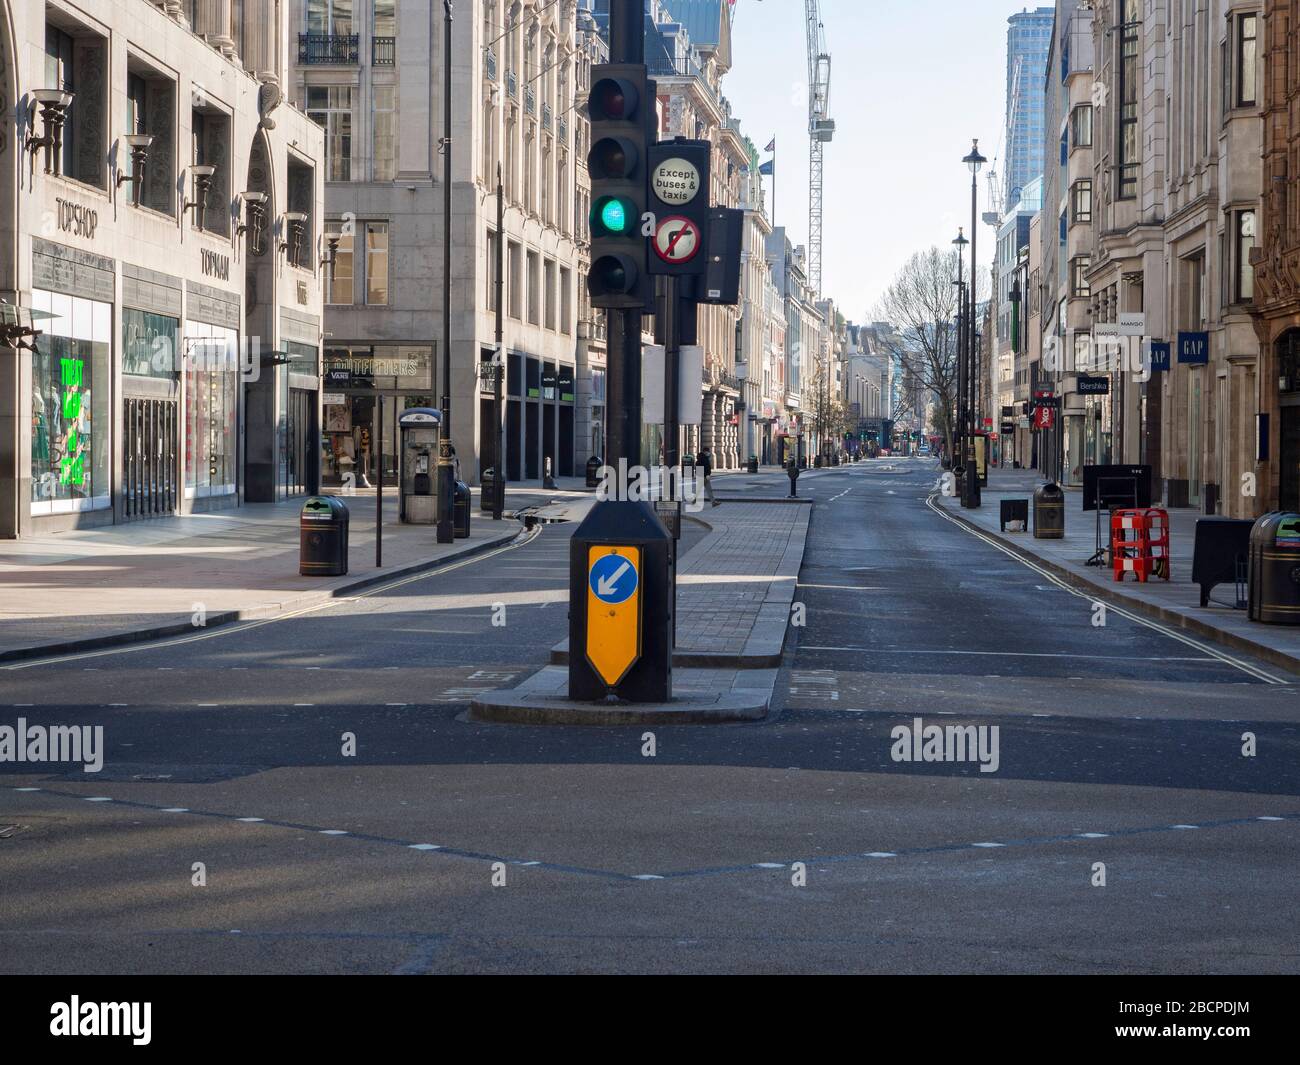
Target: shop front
[{"x": 358, "y": 377}]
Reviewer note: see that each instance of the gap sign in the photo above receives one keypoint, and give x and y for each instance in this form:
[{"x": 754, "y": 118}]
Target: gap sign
[{"x": 1194, "y": 348}]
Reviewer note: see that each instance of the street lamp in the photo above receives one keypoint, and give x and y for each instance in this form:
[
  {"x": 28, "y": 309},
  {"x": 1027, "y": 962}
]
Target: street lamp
[
  {"x": 971, "y": 496},
  {"x": 446, "y": 470},
  {"x": 960, "y": 244}
]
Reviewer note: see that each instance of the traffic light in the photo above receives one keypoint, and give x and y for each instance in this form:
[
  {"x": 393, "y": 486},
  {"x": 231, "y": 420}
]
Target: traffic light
[
  {"x": 722, "y": 244},
  {"x": 678, "y": 172},
  {"x": 621, "y": 107}
]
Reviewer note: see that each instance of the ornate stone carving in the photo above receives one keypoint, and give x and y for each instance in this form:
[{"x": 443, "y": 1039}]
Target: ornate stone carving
[{"x": 269, "y": 96}]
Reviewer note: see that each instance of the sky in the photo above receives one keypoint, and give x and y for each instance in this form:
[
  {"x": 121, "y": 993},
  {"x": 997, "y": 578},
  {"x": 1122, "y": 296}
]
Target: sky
[{"x": 912, "y": 82}]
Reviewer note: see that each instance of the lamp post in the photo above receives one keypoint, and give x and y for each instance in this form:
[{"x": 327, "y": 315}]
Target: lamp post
[
  {"x": 959, "y": 413},
  {"x": 971, "y": 497},
  {"x": 446, "y": 471}
]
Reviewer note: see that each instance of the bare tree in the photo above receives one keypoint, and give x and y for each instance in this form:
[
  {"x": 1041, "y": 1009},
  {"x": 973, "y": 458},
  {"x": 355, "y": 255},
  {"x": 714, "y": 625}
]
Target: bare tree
[{"x": 921, "y": 304}]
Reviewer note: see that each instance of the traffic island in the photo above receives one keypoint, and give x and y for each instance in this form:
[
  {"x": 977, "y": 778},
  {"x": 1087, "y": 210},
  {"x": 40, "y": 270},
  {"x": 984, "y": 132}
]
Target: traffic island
[{"x": 703, "y": 697}]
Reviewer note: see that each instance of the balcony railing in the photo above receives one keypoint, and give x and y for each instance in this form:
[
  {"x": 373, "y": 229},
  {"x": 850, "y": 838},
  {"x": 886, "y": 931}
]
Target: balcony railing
[
  {"x": 530, "y": 100},
  {"x": 341, "y": 48},
  {"x": 512, "y": 84},
  {"x": 490, "y": 65},
  {"x": 546, "y": 116},
  {"x": 564, "y": 131},
  {"x": 383, "y": 51}
]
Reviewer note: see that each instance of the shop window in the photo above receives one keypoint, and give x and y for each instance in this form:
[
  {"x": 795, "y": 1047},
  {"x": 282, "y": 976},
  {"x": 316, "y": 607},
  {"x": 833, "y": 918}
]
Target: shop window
[
  {"x": 76, "y": 60},
  {"x": 149, "y": 344},
  {"x": 151, "y": 109},
  {"x": 71, "y": 375},
  {"x": 211, "y": 409}
]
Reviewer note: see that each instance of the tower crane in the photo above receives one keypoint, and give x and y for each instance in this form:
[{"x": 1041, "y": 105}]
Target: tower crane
[{"x": 820, "y": 130}]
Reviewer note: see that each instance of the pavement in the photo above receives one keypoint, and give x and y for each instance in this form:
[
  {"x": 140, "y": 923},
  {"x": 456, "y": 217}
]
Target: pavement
[
  {"x": 88, "y": 588},
  {"x": 1142, "y": 813},
  {"x": 1176, "y": 601}
]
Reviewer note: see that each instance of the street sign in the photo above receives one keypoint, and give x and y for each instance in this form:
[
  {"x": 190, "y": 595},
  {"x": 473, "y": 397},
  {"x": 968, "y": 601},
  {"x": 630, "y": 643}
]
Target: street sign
[
  {"x": 675, "y": 181},
  {"x": 1092, "y": 386},
  {"x": 613, "y": 610},
  {"x": 1044, "y": 417},
  {"x": 332, "y": 399},
  {"x": 1194, "y": 348},
  {"x": 677, "y": 239},
  {"x": 1159, "y": 356}
]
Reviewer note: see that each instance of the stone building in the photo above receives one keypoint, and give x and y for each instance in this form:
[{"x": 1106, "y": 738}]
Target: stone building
[
  {"x": 371, "y": 72},
  {"x": 1275, "y": 262},
  {"x": 160, "y": 247}
]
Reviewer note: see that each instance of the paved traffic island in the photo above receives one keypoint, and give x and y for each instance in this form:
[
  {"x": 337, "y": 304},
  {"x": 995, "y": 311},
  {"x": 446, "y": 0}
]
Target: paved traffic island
[
  {"x": 1176, "y": 602},
  {"x": 734, "y": 594}
]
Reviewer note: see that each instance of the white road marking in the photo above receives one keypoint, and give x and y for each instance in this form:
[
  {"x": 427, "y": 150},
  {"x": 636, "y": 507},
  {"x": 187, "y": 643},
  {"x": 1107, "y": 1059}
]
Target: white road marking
[
  {"x": 768, "y": 865},
  {"x": 1257, "y": 819},
  {"x": 646, "y": 876},
  {"x": 100, "y": 798},
  {"x": 881, "y": 854},
  {"x": 1184, "y": 826},
  {"x": 333, "y": 832},
  {"x": 1005, "y": 654},
  {"x": 425, "y": 847},
  {"x": 988, "y": 844},
  {"x": 248, "y": 820},
  {"x": 1138, "y": 619},
  {"x": 1093, "y": 835},
  {"x": 175, "y": 810},
  {"x": 27, "y": 789}
]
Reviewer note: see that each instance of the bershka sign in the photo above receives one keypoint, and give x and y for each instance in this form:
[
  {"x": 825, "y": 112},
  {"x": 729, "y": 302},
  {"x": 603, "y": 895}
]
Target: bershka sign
[
  {"x": 75, "y": 1017},
  {"x": 1093, "y": 386}
]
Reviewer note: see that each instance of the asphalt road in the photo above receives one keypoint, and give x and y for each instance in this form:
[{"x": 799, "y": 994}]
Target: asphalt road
[{"x": 442, "y": 846}]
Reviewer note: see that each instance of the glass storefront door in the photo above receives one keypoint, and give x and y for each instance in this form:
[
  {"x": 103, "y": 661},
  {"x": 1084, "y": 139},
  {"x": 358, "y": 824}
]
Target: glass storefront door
[{"x": 211, "y": 409}]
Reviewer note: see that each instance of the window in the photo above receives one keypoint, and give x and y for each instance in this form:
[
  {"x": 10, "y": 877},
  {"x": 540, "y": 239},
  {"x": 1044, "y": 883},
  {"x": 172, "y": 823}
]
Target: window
[
  {"x": 1081, "y": 126},
  {"x": 75, "y": 61},
  {"x": 534, "y": 289},
  {"x": 385, "y": 18},
  {"x": 150, "y": 108},
  {"x": 1079, "y": 287},
  {"x": 548, "y": 282},
  {"x": 1244, "y": 286},
  {"x": 384, "y": 166},
  {"x": 71, "y": 373},
  {"x": 1081, "y": 201},
  {"x": 491, "y": 271},
  {"x": 330, "y": 107},
  {"x": 210, "y": 143},
  {"x": 211, "y": 378},
  {"x": 377, "y": 264},
  {"x": 329, "y": 16},
  {"x": 566, "y": 299},
  {"x": 514, "y": 281},
  {"x": 1247, "y": 52},
  {"x": 338, "y": 284},
  {"x": 1130, "y": 76}
]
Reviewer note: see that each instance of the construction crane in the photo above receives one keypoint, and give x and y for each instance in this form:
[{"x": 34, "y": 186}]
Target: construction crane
[{"x": 820, "y": 130}]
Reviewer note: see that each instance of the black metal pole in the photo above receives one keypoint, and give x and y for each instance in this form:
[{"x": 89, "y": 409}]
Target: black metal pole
[
  {"x": 379, "y": 479},
  {"x": 499, "y": 372},
  {"x": 972, "y": 497},
  {"x": 627, "y": 31},
  {"x": 446, "y": 474}
]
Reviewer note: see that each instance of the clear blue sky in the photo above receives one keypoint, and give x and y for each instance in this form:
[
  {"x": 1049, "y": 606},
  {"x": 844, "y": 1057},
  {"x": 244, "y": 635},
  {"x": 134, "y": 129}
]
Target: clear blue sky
[{"x": 912, "y": 81}]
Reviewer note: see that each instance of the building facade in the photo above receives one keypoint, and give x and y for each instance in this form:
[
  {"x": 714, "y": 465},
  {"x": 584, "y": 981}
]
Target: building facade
[
  {"x": 1028, "y": 37},
  {"x": 161, "y": 224}
]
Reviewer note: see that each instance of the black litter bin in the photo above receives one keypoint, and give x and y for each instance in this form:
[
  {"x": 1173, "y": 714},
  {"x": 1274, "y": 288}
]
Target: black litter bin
[
  {"x": 487, "y": 490},
  {"x": 323, "y": 537},
  {"x": 1049, "y": 512},
  {"x": 1274, "y": 577},
  {"x": 460, "y": 511},
  {"x": 593, "y": 471},
  {"x": 752, "y": 465}
]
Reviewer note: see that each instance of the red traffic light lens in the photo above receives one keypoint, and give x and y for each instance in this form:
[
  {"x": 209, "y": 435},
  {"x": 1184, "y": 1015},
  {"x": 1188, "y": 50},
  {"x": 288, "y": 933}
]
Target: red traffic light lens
[
  {"x": 612, "y": 99},
  {"x": 612, "y": 157}
]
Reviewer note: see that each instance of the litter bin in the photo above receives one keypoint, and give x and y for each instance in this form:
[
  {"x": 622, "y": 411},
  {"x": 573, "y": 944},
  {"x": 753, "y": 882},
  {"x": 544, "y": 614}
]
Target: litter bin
[
  {"x": 488, "y": 489},
  {"x": 1274, "y": 576},
  {"x": 323, "y": 537},
  {"x": 593, "y": 471},
  {"x": 752, "y": 465},
  {"x": 1049, "y": 512},
  {"x": 460, "y": 504}
]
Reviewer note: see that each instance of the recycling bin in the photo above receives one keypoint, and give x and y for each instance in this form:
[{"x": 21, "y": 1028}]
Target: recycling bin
[
  {"x": 460, "y": 511},
  {"x": 1273, "y": 580},
  {"x": 323, "y": 537},
  {"x": 1049, "y": 512},
  {"x": 593, "y": 471}
]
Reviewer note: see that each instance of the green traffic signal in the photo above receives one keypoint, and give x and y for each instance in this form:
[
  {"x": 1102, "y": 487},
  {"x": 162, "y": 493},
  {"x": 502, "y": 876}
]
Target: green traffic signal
[{"x": 613, "y": 216}]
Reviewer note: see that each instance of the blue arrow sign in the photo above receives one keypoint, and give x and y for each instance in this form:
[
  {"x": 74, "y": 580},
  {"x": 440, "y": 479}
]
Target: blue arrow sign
[{"x": 613, "y": 579}]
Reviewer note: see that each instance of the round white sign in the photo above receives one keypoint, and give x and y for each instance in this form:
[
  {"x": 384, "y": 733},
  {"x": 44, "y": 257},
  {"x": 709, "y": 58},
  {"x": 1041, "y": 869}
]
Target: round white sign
[
  {"x": 677, "y": 240},
  {"x": 675, "y": 181}
]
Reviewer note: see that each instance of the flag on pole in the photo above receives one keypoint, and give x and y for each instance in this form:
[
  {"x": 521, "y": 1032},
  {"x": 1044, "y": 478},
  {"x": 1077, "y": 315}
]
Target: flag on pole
[
  {"x": 767, "y": 169},
  {"x": 771, "y": 147}
]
